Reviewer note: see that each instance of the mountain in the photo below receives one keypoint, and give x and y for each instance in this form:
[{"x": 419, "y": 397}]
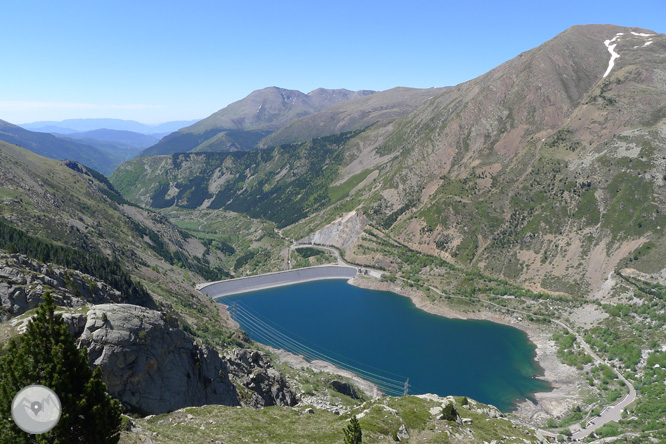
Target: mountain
[
  {"x": 50, "y": 146},
  {"x": 351, "y": 115},
  {"x": 83, "y": 125},
  {"x": 123, "y": 279},
  {"x": 120, "y": 145},
  {"x": 242, "y": 124},
  {"x": 124, "y": 138},
  {"x": 271, "y": 108},
  {"x": 79, "y": 206},
  {"x": 544, "y": 171}
]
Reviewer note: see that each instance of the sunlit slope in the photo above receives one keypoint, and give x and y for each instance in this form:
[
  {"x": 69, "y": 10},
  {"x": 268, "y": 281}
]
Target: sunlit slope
[
  {"x": 241, "y": 125},
  {"x": 542, "y": 171}
]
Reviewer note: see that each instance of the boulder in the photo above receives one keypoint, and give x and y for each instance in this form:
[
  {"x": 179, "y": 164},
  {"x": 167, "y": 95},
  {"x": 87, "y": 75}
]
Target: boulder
[
  {"x": 151, "y": 366},
  {"x": 402, "y": 433},
  {"x": 490, "y": 411}
]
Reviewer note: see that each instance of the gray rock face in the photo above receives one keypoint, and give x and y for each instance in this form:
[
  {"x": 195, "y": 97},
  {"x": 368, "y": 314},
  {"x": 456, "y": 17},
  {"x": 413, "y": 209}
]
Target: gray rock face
[
  {"x": 265, "y": 385},
  {"x": 152, "y": 366},
  {"x": 76, "y": 323},
  {"x": 147, "y": 362},
  {"x": 24, "y": 281},
  {"x": 342, "y": 233},
  {"x": 402, "y": 434},
  {"x": 345, "y": 388}
]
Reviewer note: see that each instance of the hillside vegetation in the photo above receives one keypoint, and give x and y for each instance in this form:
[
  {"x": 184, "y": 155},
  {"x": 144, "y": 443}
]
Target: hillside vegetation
[
  {"x": 550, "y": 177},
  {"x": 533, "y": 195}
]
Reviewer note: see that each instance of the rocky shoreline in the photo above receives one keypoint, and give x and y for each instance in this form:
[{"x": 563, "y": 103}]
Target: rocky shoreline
[
  {"x": 565, "y": 381},
  {"x": 371, "y": 390}
]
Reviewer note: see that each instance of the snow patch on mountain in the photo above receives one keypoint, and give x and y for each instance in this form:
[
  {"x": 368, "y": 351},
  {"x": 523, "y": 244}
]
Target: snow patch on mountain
[
  {"x": 612, "y": 44},
  {"x": 611, "y": 49}
]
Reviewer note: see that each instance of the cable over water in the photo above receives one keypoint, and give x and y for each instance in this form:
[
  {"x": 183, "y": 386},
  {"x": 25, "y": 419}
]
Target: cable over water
[{"x": 391, "y": 383}]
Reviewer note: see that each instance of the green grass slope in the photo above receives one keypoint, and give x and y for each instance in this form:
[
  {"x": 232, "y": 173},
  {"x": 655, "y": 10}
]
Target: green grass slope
[
  {"x": 381, "y": 421},
  {"x": 283, "y": 185}
]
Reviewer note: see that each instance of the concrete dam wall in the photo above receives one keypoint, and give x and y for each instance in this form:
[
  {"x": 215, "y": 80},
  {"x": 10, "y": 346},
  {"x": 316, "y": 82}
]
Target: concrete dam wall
[{"x": 277, "y": 279}]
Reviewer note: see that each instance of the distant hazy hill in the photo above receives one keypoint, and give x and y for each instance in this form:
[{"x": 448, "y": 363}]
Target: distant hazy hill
[
  {"x": 121, "y": 145},
  {"x": 544, "y": 171},
  {"x": 50, "y": 146},
  {"x": 242, "y": 124},
  {"x": 82, "y": 125},
  {"x": 127, "y": 138}
]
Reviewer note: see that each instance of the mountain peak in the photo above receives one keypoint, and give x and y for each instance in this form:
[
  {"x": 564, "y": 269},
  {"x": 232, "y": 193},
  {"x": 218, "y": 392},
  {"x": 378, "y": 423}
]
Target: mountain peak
[{"x": 242, "y": 124}]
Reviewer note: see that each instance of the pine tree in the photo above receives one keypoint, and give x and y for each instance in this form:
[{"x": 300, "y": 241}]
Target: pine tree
[
  {"x": 353, "y": 433},
  {"x": 449, "y": 412},
  {"x": 46, "y": 354}
]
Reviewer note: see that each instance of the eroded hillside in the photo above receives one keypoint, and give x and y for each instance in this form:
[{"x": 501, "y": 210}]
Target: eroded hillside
[{"x": 542, "y": 171}]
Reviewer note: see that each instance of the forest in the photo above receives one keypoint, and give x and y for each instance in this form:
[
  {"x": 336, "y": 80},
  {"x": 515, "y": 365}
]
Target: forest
[{"x": 14, "y": 240}]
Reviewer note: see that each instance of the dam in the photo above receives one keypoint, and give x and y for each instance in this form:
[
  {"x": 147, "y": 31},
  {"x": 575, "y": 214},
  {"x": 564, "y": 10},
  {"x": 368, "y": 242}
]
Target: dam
[{"x": 278, "y": 279}]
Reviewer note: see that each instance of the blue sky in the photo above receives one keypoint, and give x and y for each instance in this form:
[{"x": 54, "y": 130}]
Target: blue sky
[{"x": 155, "y": 61}]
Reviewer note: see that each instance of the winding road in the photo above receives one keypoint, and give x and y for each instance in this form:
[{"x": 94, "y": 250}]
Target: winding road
[{"x": 609, "y": 414}]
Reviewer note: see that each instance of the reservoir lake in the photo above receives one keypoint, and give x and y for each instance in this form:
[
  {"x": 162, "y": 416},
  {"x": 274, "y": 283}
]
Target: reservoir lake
[{"x": 384, "y": 338}]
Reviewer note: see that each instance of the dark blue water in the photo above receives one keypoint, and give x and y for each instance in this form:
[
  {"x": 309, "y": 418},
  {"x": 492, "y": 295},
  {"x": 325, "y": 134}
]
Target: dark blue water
[{"x": 387, "y": 339}]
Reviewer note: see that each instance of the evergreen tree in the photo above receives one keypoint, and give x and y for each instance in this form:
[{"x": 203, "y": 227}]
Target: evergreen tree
[
  {"x": 449, "y": 412},
  {"x": 46, "y": 354},
  {"x": 353, "y": 433}
]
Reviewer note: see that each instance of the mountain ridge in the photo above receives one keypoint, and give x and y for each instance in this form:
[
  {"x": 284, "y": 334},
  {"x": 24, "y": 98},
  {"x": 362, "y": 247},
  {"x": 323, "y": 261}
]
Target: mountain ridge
[
  {"x": 90, "y": 124},
  {"x": 242, "y": 124},
  {"x": 351, "y": 115},
  {"x": 475, "y": 156},
  {"x": 50, "y": 146}
]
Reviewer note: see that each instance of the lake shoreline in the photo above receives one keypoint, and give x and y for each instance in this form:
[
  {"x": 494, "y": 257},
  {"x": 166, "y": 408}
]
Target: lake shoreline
[{"x": 563, "y": 379}]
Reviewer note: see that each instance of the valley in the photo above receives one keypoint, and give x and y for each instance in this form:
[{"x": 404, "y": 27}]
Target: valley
[{"x": 532, "y": 196}]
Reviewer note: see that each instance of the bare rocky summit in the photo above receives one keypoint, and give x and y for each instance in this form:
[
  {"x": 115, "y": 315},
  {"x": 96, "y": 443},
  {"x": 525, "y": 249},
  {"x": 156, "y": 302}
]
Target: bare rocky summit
[{"x": 242, "y": 124}]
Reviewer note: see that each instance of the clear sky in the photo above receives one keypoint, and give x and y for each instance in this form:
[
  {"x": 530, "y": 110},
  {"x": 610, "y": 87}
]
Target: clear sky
[{"x": 155, "y": 61}]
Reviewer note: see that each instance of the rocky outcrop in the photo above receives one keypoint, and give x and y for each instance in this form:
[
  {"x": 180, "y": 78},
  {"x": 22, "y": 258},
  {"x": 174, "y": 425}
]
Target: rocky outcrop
[
  {"x": 259, "y": 383},
  {"x": 149, "y": 364},
  {"x": 342, "y": 233},
  {"x": 23, "y": 282},
  {"x": 345, "y": 388}
]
